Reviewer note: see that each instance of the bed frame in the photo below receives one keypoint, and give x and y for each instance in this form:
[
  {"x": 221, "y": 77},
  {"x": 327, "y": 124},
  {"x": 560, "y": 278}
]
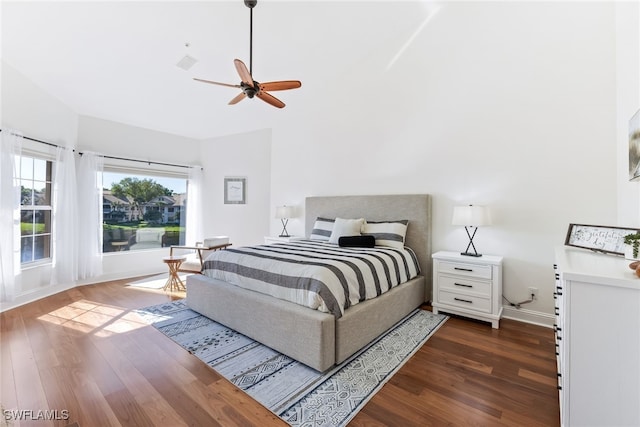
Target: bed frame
[{"x": 312, "y": 337}]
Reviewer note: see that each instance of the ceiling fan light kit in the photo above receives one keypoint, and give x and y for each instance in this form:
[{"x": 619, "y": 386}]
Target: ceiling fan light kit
[{"x": 248, "y": 85}]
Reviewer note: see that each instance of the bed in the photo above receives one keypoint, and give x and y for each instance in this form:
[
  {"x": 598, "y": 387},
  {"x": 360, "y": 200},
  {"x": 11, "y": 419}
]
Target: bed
[{"x": 316, "y": 338}]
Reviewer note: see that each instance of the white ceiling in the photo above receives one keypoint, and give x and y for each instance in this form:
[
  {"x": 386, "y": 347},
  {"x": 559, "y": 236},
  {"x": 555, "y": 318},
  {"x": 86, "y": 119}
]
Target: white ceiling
[{"x": 116, "y": 60}]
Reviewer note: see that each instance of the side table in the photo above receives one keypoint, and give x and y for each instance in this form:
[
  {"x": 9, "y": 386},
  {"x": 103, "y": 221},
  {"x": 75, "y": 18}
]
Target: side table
[{"x": 174, "y": 282}]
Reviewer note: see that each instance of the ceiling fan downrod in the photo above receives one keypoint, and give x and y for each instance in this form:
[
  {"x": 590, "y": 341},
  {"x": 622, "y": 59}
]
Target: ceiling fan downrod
[{"x": 250, "y": 4}]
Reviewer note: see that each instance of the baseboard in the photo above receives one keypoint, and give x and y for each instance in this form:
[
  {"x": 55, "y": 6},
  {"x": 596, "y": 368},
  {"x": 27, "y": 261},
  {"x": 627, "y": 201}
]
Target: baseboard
[
  {"x": 36, "y": 294},
  {"x": 120, "y": 275},
  {"x": 528, "y": 316}
]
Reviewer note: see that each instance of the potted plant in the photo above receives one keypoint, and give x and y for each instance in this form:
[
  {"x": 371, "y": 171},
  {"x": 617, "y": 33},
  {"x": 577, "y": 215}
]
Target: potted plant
[{"x": 633, "y": 240}]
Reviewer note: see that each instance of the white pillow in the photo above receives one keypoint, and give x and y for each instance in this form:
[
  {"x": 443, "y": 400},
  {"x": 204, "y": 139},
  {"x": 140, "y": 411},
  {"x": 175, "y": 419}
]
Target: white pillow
[
  {"x": 387, "y": 233},
  {"x": 322, "y": 229},
  {"x": 346, "y": 227}
]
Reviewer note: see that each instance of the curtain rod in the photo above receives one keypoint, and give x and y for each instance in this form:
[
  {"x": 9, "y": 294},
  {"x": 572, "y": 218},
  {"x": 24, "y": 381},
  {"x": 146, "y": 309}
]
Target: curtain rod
[{"x": 149, "y": 162}]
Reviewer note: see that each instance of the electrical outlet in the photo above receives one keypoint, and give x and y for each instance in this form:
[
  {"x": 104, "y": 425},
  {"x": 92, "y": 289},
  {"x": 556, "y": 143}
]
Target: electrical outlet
[{"x": 533, "y": 292}]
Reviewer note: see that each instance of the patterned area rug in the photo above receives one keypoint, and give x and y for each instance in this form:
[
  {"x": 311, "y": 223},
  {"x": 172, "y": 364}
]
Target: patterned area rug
[{"x": 296, "y": 393}]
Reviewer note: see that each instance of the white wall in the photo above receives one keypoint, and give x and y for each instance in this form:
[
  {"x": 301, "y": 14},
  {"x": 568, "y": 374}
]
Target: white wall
[
  {"x": 37, "y": 114},
  {"x": 242, "y": 155},
  {"x": 121, "y": 140},
  {"x": 505, "y": 104},
  {"x": 628, "y": 102}
]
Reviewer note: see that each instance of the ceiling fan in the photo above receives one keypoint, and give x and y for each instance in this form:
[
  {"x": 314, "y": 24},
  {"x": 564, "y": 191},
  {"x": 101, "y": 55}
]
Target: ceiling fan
[{"x": 248, "y": 85}]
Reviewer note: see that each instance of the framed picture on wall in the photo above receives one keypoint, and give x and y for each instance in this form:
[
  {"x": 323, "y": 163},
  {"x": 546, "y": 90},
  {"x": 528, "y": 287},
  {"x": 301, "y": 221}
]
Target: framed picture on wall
[
  {"x": 600, "y": 238},
  {"x": 634, "y": 147},
  {"x": 235, "y": 190}
]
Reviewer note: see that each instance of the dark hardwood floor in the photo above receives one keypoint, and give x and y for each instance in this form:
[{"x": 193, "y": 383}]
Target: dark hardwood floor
[{"x": 86, "y": 351}]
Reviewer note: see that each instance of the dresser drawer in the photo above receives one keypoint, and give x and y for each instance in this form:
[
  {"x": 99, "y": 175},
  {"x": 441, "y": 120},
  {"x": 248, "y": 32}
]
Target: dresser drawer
[
  {"x": 470, "y": 302},
  {"x": 465, "y": 285},
  {"x": 464, "y": 269}
]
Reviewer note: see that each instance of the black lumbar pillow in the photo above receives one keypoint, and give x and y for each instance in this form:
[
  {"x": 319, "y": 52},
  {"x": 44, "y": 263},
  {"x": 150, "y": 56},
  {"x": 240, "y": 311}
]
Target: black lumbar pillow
[{"x": 365, "y": 241}]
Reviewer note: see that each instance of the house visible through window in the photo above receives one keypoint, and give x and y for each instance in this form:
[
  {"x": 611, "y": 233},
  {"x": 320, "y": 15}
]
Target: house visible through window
[
  {"x": 35, "y": 208},
  {"x": 142, "y": 211}
]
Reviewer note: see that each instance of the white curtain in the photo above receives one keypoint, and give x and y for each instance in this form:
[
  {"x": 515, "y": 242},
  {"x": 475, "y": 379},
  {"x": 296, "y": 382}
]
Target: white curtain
[
  {"x": 65, "y": 219},
  {"x": 193, "y": 231},
  {"x": 89, "y": 179},
  {"x": 11, "y": 147}
]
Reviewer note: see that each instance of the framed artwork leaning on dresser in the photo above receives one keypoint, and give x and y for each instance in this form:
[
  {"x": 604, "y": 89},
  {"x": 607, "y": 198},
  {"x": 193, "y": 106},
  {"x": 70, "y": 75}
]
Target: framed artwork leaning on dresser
[{"x": 599, "y": 238}]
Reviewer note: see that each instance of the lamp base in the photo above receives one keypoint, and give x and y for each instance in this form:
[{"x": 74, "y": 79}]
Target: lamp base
[
  {"x": 284, "y": 232},
  {"x": 470, "y": 254},
  {"x": 471, "y": 245}
]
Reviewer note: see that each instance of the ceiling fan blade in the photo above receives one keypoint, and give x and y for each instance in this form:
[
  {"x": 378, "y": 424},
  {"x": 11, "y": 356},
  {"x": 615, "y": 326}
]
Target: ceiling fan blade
[
  {"x": 281, "y": 85},
  {"x": 245, "y": 76},
  {"x": 238, "y": 98},
  {"x": 216, "y": 83},
  {"x": 270, "y": 99}
]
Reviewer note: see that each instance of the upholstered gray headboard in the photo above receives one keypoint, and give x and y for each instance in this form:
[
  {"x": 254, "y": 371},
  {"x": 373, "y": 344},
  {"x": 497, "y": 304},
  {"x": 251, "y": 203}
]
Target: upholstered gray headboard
[{"x": 414, "y": 207}]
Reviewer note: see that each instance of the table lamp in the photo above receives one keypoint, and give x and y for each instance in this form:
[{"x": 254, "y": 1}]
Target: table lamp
[
  {"x": 283, "y": 213},
  {"x": 471, "y": 217}
]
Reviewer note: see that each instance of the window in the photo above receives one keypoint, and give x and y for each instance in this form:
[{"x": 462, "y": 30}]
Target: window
[
  {"x": 35, "y": 208},
  {"x": 142, "y": 210}
]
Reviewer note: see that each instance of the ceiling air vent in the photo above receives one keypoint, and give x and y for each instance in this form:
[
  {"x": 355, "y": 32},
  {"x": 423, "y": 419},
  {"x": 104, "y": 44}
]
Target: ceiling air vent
[{"x": 187, "y": 62}]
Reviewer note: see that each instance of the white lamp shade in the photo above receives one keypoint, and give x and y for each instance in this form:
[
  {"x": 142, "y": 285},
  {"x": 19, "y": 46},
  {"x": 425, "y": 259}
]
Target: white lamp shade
[
  {"x": 285, "y": 212},
  {"x": 471, "y": 216}
]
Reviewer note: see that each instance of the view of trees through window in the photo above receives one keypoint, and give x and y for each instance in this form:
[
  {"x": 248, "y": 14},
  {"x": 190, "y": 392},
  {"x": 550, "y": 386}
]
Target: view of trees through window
[
  {"x": 35, "y": 208},
  {"x": 142, "y": 212}
]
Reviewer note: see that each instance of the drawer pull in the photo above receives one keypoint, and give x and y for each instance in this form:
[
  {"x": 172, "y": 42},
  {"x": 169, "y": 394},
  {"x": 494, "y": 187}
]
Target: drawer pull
[
  {"x": 463, "y": 300},
  {"x": 463, "y": 285},
  {"x": 463, "y": 269}
]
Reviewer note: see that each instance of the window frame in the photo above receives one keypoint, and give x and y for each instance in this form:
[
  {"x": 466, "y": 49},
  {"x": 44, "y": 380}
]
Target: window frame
[
  {"x": 49, "y": 182},
  {"x": 153, "y": 171}
]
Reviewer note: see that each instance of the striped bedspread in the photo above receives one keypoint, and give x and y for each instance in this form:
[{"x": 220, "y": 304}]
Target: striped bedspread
[{"x": 318, "y": 275}]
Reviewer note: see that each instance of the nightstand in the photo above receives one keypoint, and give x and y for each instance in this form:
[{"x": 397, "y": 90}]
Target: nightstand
[
  {"x": 468, "y": 286},
  {"x": 277, "y": 239}
]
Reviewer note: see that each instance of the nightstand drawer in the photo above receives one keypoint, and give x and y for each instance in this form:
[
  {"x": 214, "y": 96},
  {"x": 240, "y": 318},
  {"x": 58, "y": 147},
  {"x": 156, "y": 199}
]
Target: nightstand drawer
[
  {"x": 464, "y": 285},
  {"x": 464, "y": 269},
  {"x": 470, "y": 302}
]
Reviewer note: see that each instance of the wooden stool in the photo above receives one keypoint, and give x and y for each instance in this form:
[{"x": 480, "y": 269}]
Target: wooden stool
[{"x": 174, "y": 281}]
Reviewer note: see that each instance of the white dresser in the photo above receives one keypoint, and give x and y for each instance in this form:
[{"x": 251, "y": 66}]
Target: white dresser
[
  {"x": 468, "y": 286},
  {"x": 597, "y": 339}
]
